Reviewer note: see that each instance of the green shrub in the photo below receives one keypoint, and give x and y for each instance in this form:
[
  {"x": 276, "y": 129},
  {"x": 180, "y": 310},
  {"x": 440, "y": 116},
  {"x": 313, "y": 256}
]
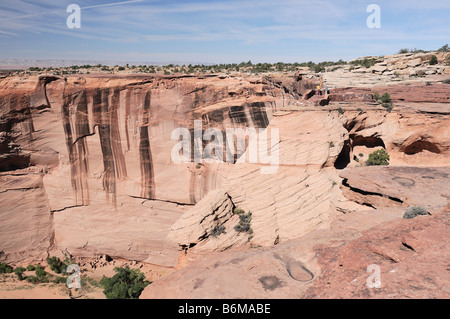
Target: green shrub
[
  {"x": 5, "y": 268},
  {"x": 415, "y": 211},
  {"x": 40, "y": 272},
  {"x": 340, "y": 110},
  {"x": 244, "y": 222},
  {"x": 218, "y": 230},
  {"x": 319, "y": 68},
  {"x": 59, "y": 280},
  {"x": 433, "y": 60},
  {"x": 125, "y": 284},
  {"x": 56, "y": 264},
  {"x": 376, "y": 96},
  {"x": 385, "y": 98},
  {"x": 33, "y": 280},
  {"x": 41, "y": 276},
  {"x": 19, "y": 272},
  {"x": 30, "y": 268},
  {"x": 379, "y": 157}
]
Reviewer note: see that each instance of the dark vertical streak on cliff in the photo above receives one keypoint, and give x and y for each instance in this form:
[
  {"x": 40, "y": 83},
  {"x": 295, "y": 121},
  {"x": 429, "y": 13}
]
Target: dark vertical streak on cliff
[
  {"x": 82, "y": 130},
  {"x": 259, "y": 115},
  {"x": 65, "y": 112},
  {"x": 147, "y": 174},
  {"x": 127, "y": 116},
  {"x": 101, "y": 117},
  {"x": 119, "y": 159}
]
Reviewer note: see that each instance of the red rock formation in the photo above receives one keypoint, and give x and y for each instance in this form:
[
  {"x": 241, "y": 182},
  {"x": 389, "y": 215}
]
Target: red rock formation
[{"x": 105, "y": 141}]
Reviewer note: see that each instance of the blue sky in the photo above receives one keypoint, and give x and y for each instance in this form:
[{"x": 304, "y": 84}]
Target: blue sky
[{"x": 219, "y": 31}]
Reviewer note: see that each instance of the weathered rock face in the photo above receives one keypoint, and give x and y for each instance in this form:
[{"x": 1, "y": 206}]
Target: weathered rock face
[
  {"x": 412, "y": 256},
  {"x": 397, "y": 186},
  {"x": 101, "y": 145},
  {"x": 299, "y": 196},
  {"x": 26, "y": 223}
]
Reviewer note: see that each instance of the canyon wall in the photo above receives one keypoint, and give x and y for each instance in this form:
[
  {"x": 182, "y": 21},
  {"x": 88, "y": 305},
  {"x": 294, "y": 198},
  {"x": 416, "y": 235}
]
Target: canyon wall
[
  {"x": 100, "y": 148},
  {"x": 87, "y": 162}
]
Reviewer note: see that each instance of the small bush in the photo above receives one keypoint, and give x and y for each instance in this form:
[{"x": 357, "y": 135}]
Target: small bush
[
  {"x": 41, "y": 276},
  {"x": 331, "y": 144},
  {"x": 385, "y": 98},
  {"x": 56, "y": 264},
  {"x": 5, "y": 268},
  {"x": 19, "y": 272},
  {"x": 125, "y": 284},
  {"x": 218, "y": 230},
  {"x": 33, "y": 280},
  {"x": 340, "y": 110},
  {"x": 415, "y": 211},
  {"x": 244, "y": 222},
  {"x": 59, "y": 280},
  {"x": 40, "y": 272},
  {"x": 433, "y": 60},
  {"x": 30, "y": 268},
  {"x": 376, "y": 96},
  {"x": 319, "y": 68},
  {"x": 379, "y": 157}
]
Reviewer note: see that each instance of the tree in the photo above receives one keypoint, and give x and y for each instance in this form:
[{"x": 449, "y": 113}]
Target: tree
[
  {"x": 5, "y": 268},
  {"x": 125, "y": 284},
  {"x": 40, "y": 272},
  {"x": 444, "y": 48},
  {"x": 379, "y": 157},
  {"x": 56, "y": 264},
  {"x": 19, "y": 272}
]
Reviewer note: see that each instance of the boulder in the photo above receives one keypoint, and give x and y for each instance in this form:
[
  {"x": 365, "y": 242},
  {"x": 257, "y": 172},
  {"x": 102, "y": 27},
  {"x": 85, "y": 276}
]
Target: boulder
[
  {"x": 378, "y": 69},
  {"x": 415, "y": 62}
]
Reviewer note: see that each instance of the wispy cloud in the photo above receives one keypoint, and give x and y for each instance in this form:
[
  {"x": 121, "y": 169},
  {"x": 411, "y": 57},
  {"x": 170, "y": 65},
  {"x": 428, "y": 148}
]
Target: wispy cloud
[{"x": 224, "y": 28}]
